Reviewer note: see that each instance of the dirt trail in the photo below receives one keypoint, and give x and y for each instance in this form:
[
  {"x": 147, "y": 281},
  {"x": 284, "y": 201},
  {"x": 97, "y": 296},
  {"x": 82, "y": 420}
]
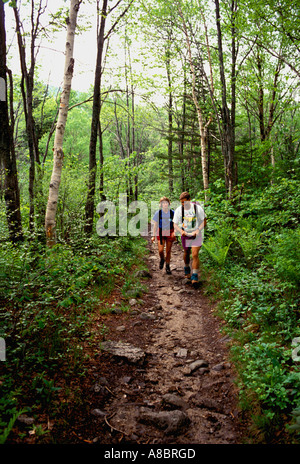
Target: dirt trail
[{"x": 166, "y": 399}]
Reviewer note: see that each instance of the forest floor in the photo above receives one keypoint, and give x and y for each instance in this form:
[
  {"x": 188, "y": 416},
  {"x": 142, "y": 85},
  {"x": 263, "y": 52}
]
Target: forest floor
[{"x": 177, "y": 385}]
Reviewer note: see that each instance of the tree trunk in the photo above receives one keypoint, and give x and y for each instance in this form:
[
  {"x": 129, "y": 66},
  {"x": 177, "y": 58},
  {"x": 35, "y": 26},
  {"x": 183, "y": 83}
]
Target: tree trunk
[
  {"x": 181, "y": 137},
  {"x": 234, "y": 53},
  {"x": 227, "y": 135},
  {"x": 170, "y": 114},
  {"x": 50, "y": 220},
  {"x": 134, "y": 148},
  {"x": 265, "y": 129},
  {"x": 89, "y": 207},
  {"x": 260, "y": 98},
  {"x": 7, "y": 153},
  {"x": 119, "y": 132},
  {"x": 27, "y": 84},
  {"x": 130, "y": 121},
  {"x": 101, "y": 158},
  {"x": 202, "y": 127}
]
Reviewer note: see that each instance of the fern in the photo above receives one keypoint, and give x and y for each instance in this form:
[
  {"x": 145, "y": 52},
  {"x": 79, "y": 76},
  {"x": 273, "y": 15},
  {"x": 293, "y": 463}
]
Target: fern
[
  {"x": 249, "y": 241},
  {"x": 218, "y": 253},
  {"x": 9, "y": 427}
]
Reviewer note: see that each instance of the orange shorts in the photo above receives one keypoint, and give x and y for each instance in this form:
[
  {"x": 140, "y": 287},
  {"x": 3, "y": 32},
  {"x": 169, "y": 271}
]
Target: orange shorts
[{"x": 168, "y": 238}]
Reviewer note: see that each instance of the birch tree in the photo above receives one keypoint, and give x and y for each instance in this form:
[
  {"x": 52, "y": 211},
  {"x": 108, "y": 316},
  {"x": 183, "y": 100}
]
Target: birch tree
[
  {"x": 58, "y": 155},
  {"x": 203, "y": 125}
]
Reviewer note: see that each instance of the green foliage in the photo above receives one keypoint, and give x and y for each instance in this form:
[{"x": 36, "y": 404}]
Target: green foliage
[
  {"x": 8, "y": 429},
  {"x": 273, "y": 207},
  {"x": 249, "y": 240},
  {"x": 264, "y": 375},
  {"x": 251, "y": 246},
  {"x": 133, "y": 288},
  {"x": 296, "y": 425},
  {"x": 258, "y": 289},
  {"x": 49, "y": 297},
  {"x": 285, "y": 256},
  {"x": 217, "y": 252},
  {"x": 217, "y": 246}
]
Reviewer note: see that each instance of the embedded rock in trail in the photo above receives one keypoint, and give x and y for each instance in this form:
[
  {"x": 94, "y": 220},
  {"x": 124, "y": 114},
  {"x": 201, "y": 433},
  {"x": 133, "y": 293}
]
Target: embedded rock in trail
[
  {"x": 143, "y": 273},
  {"x": 172, "y": 401},
  {"x": 124, "y": 350},
  {"x": 171, "y": 422},
  {"x": 98, "y": 413}
]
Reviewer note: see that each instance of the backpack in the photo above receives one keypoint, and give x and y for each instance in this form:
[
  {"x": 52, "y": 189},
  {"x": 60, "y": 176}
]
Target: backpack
[{"x": 160, "y": 223}]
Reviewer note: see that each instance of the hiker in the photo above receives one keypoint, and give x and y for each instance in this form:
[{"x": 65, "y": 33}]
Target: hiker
[
  {"x": 163, "y": 232},
  {"x": 189, "y": 221}
]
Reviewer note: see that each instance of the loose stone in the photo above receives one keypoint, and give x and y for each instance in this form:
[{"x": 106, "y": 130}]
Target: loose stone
[
  {"x": 98, "y": 413},
  {"x": 124, "y": 350},
  {"x": 194, "y": 366}
]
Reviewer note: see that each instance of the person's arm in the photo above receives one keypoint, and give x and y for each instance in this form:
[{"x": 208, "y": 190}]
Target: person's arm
[
  {"x": 155, "y": 226},
  {"x": 203, "y": 223},
  {"x": 176, "y": 221},
  {"x": 201, "y": 227},
  {"x": 179, "y": 229}
]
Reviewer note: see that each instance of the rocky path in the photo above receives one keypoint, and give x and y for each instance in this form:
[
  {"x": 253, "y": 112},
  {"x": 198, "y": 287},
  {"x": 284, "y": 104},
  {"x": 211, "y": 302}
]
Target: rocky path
[{"x": 165, "y": 376}]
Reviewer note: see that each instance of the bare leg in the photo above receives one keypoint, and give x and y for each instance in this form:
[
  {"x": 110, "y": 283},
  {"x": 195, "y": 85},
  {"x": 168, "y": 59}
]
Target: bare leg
[
  {"x": 195, "y": 270},
  {"x": 168, "y": 251},
  {"x": 161, "y": 254},
  {"x": 168, "y": 256},
  {"x": 161, "y": 250},
  {"x": 186, "y": 256},
  {"x": 186, "y": 259},
  {"x": 195, "y": 257}
]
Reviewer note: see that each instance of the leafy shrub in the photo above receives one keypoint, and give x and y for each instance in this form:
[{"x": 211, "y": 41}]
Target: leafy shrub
[
  {"x": 295, "y": 427},
  {"x": 286, "y": 256},
  {"x": 49, "y": 296},
  {"x": 217, "y": 246},
  {"x": 260, "y": 303},
  {"x": 217, "y": 252},
  {"x": 250, "y": 241},
  {"x": 264, "y": 375}
]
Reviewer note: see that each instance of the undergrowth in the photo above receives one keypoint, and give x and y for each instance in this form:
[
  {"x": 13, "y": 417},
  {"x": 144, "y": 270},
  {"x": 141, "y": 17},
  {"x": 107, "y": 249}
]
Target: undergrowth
[
  {"x": 252, "y": 255},
  {"x": 47, "y": 299}
]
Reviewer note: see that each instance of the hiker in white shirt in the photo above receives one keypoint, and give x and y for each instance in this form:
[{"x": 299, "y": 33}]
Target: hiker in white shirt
[{"x": 189, "y": 221}]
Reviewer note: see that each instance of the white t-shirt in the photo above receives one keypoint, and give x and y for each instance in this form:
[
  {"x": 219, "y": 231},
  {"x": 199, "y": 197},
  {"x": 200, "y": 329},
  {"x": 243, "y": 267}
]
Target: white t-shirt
[{"x": 190, "y": 221}]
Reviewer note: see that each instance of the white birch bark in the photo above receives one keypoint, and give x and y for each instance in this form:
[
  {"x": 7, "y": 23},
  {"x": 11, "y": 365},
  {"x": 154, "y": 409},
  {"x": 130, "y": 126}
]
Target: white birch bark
[
  {"x": 202, "y": 127},
  {"x": 58, "y": 155}
]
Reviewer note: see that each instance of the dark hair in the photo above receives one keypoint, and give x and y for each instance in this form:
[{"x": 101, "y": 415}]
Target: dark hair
[
  {"x": 164, "y": 199},
  {"x": 185, "y": 196}
]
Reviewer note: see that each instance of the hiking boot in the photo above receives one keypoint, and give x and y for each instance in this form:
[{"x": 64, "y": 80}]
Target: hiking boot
[
  {"x": 161, "y": 264},
  {"x": 194, "y": 278},
  {"x": 168, "y": 270},
  {"x": 187, "y": 272}
]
